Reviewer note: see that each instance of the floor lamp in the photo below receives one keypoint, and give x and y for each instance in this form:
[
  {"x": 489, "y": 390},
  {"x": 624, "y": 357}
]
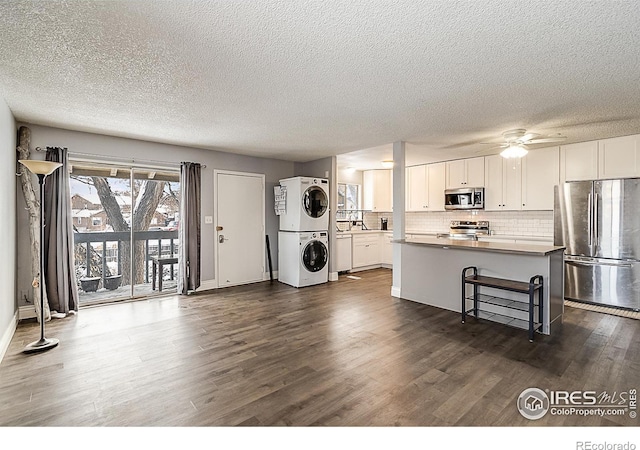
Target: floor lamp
[{"x": 41, "y": 169}]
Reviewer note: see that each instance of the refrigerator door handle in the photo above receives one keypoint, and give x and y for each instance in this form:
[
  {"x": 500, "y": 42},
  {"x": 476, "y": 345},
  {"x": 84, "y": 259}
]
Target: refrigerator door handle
[
  {"x": 596, "y": 215},
  {"x": 590, "y": 263},
  {"x": 590, "y": 222}
]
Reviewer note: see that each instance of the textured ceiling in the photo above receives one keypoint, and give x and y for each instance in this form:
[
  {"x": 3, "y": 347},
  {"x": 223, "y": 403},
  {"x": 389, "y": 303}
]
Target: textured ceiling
[{"x": 300, "y": 80}]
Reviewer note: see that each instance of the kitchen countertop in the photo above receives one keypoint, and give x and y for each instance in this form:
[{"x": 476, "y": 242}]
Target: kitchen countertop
[
  {"x": 492, "y": 236},
  {"x": 496, "y": 247},
  {"x": 363, "y": 231}
]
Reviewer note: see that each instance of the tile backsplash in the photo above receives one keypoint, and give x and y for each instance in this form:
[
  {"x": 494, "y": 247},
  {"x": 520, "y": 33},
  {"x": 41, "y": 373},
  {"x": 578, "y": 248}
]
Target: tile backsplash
[{"x": 512, "y": 223}]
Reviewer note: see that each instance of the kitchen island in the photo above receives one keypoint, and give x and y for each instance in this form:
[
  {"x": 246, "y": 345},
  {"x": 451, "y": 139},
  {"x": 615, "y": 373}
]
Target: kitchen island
[{"x": 431, "y": 271}]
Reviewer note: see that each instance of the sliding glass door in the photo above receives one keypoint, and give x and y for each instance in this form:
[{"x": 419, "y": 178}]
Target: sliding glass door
[{"x": 113, "y": 206}]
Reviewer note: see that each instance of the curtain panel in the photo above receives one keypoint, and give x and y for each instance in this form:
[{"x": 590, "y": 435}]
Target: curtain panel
[
  {"x": 189, "y": 229},
  {"x": 59, "y": 268}
]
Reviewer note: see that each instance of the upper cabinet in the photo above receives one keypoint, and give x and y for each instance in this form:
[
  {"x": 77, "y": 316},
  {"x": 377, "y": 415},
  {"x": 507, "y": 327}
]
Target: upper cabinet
[
  {"x": 540, "y": 173},
  {"x": 579, "y": 161},
  {"x": 425, "y": 187},
  {"x": 465, "y": 173},
  {"x": 522, "y": 184},
  {"x": 377, "y": 190},
  {"x": 502, "y": 190},
  {"x": 607, "y": 158},
  {"x": 619, "y": 157}
]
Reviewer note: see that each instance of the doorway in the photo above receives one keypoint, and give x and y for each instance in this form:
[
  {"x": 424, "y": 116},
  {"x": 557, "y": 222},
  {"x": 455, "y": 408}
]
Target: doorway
[
  {"x": 114, "y": 206},
  {"x": 240, "y": 229}
]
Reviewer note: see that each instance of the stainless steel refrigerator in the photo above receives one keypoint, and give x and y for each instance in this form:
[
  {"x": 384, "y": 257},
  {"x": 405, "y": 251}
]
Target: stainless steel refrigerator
[{"x": 599, "y": 224}]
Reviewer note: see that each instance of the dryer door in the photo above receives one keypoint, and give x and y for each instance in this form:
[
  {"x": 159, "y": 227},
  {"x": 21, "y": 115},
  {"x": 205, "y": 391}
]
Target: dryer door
[
  {"x": 315, "y": 202},
  {"x": 314, "y": 256}
]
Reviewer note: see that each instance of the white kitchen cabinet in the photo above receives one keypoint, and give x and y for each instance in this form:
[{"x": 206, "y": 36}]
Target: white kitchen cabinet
[
  {"x": 503, "y": 183},
  {"x": 365, "y": 250},
  {"x": 598, "y": 160},
  {"x": 465, "y": 173},
  {"x": 579, "y": 161},
  {"x": 343, "y": 252},
  {"x": 425, "y": 187},
  {"x": 540, "y": 174},
  {"x": 619, "y": 157},
  {"x": 377, "y": 190},
  {"x": 387, "y": 249}
]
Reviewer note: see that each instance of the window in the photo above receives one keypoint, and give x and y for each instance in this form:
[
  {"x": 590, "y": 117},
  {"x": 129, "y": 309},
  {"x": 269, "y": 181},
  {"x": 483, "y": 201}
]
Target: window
[
  {"x": 348, "y": 196},
  {"x": 96, "y": 221}
]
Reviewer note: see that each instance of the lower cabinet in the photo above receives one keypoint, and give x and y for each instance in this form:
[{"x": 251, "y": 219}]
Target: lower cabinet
[
  {"x": 343, "y": 250},
  {"x": 387, "y": 249},
  {"x": 365, "y": 250}
]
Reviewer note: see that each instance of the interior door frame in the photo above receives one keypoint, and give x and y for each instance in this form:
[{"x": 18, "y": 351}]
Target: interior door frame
[{"x": 216, "y": 261}]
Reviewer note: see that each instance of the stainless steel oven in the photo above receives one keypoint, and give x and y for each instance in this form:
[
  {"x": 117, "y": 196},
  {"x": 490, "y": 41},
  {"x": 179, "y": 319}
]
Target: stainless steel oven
[{"x": 464, "y": 198}]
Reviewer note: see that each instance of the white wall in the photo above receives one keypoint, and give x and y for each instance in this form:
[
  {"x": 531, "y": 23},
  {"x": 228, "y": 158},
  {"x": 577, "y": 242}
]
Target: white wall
[
  {"x": 8, "y": 304},
  {"x": 350, "y": 176},
  {"x": 127, "y": 149}
]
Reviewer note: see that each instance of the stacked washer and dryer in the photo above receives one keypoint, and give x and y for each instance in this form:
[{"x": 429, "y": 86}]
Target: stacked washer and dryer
[{"x": 303, "y": 240}]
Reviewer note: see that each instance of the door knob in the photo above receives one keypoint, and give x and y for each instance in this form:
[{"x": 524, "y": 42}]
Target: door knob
[{"x": 221, "y": 239}]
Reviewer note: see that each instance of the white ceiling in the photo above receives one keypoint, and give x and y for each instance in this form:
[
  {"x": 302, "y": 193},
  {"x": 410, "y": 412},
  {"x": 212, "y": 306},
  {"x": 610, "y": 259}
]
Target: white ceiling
[{"x": 300, "y": 80}]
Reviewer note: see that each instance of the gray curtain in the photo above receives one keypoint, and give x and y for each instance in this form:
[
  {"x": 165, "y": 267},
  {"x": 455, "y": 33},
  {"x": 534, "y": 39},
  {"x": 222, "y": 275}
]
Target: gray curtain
[
  {"x": 189, "y": 229},
  {"x": 59, "y": 268}
]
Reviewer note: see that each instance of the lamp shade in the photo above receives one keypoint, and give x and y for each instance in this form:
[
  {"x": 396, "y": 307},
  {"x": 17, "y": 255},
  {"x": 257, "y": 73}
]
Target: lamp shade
[
  {"x": 514, "y": 151},
  {"x": 387, "y": 164},
  {"x": 39, "y": 167}
]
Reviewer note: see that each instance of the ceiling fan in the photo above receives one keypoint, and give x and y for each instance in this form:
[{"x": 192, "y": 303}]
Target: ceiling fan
[{"x": 516, "y": 142}]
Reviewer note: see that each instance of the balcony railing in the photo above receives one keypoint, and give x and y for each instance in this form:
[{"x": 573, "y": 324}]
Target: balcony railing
[{"x": 150, "y": 250}]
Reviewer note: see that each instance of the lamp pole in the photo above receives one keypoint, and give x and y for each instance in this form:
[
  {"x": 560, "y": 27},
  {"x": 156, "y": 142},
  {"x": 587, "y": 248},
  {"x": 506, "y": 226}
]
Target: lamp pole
[{"x": 41, "y": 169}]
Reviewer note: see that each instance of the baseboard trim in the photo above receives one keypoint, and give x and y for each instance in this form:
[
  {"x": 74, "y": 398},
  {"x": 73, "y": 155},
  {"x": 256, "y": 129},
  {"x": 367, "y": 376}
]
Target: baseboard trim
[
  {"x": 27, "y": 312},
  {"x": 395, "y": 292},
  {"x": 333, "y": 276},
  {"x": 207, "y": 285},
  {"x": 266, "y": 277},
  {"x": 8, "y": 335}
]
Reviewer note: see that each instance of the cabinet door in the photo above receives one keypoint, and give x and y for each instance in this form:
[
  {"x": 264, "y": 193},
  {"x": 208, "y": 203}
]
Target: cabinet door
[
  {"x": 343, "y": 250},
  {"x": 512, "y": 184},
  {"x": 579, "y": 161},
  {"x": 377, "y": 190},
  {"x": 475, "y": 172},
  {"x": 387, "y": 249},
  {"x": 435, "y": 189},
  {"x": 456, "y": 173},
  {"x": 418, "y": 188},
  {"x": 366, "y": 250},
  {"x": 493, "y": 185},
  {"x": 540, "y": 173},
  {"x": 619, "y": 157}
]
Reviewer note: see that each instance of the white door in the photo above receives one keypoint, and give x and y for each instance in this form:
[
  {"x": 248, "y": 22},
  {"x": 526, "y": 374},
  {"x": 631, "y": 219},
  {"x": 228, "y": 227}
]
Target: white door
[{"x": 240, "y": 236}]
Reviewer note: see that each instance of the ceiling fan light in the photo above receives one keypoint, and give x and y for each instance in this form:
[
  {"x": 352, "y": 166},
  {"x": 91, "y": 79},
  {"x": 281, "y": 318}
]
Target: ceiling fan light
[{"x": 514, "y": 151}]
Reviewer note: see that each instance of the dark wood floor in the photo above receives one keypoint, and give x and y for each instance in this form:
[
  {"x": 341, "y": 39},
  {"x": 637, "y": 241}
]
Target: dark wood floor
[{"x": 339, "y": 354}]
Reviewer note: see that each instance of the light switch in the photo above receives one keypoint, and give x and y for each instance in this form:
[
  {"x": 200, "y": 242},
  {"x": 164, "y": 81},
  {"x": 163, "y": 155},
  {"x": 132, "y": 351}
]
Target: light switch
[{"x": 208, "y": 219}]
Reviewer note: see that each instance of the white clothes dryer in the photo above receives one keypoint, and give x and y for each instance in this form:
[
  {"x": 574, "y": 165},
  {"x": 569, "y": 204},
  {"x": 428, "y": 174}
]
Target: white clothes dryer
[
  {"x": 307, "y": 204},
  {"x": 303, "y": 258}
]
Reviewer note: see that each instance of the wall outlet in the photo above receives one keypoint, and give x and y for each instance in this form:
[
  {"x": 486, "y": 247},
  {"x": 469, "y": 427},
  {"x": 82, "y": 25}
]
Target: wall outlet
[{"x": 208, "y": 219}]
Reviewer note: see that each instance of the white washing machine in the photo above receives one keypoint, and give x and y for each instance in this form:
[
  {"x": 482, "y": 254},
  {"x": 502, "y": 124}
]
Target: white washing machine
[
  {"x": 307, "y": 204},
  {"x": 303, "y": 257}
]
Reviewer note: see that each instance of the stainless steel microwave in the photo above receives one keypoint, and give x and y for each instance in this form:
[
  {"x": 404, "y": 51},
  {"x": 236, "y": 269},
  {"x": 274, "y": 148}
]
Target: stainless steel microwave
[{"x": 464, "y": 198}]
